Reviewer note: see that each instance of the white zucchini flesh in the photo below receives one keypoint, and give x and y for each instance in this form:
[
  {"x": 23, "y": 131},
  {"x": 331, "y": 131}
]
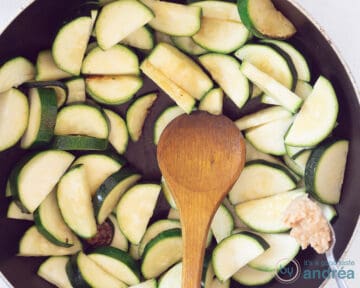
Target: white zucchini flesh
[
  {"x": 269, "y": 137},
  {"x": 283, "y": 248},
  {"x": 119, "y": 240},
  {"x": 252, "y": 277},
  {"x": 181, "y": 70},
  {"x": 136, "y": 115},
  {"x": 269, "y": 61},
  {"x": 50, "y": 223},
  {"x": 135, "y": 209},
  {"x": 174, "y": 19},
  {"x": 225, "y": 70},
  {"x": 164, "y": 119},
  {"x": 172, "y": 277},
  {"x": 260, "y": 179},
  {"x": 328, "y": 211},
  {"x": 98, "y": 167},
  {"x": 113, "y": 90},
  {"x": 70, "y": 43},
  {"x": 14, "y": 212},
  {"x": 262, "y": 117},
  {"x": 273, "y": 88},
  {"x": 212, "y": 102},
  {"x": 299, "y": 61},
  {"x": 155, "y": 229},
  {"x": 117, "y": 60},
  {"x": 118, "y": 136},
  {"x": 15, "y": 72},
  {"x": 234, "y": 252},
  {"x": 291, "y": 151},
  {"x": 300, "y": 161},
  {"x": 253, "y": 154},
  {"x": 142, "y": 38},
  {"x": 222, "y": 224},
  {"x": 167, "y": 246},
  {"x": 118, "y": 20},
  {"x": 35, "y": 244},
  {"x": 187, "y": 44},
  {"x": 218, "y": 284},
  {"x": 39, "y": 176},
  {"x": 14, "y": 114},
  {"x": 74, "y": 201},
  {"x": 76, "y": 88},
  {"x": 167, "y": 193},
  {"x": 53, "y": 271},
  {"x": 321, "y": 108},
  {"x": 81, "y": 119},
  {"x": 219, "y": 10},
  {"x": 146, "y": 284},
  {"x": 266, "y": 214},
  {"x": 46, "y": 68},
  {"x": 182, "y": 98}
]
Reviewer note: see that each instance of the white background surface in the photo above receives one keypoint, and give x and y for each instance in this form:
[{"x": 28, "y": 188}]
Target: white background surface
[{"x": 340, "y": 21}]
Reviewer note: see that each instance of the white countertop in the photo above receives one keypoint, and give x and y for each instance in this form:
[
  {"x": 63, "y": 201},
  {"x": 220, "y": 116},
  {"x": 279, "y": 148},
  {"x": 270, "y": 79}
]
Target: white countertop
[{"x": 340, "y": 21}]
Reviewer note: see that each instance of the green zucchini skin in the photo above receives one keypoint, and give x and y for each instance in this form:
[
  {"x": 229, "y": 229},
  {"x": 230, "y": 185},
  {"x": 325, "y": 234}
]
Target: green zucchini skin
[
  {"x": 74, "y": 274},
  {"x": 79, "y": 143},
  {"x": 245, "y": 17},
  {"x": 47, "y": 84},
  {"x": 261, "y": 240}
]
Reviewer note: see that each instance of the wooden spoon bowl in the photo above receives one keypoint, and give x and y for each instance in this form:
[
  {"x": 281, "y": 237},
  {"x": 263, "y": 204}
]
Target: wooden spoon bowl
[{"x": 201, "y": 156}]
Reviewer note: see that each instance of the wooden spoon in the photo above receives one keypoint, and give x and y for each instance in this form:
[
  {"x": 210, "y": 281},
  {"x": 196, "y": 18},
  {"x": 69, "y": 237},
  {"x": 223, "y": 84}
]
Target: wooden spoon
[{"x": 201, "y": 156}]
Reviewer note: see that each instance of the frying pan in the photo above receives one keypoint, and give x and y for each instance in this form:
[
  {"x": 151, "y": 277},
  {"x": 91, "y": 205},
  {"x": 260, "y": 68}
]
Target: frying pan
[{"x": 34, "y": 29}]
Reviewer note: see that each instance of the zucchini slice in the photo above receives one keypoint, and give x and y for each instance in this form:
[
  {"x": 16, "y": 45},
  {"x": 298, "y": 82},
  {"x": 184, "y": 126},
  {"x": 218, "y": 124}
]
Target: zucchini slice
[
  {"x": 267, "y": 59},
  {"x": 136, "y": 115},
  {"x": 182, "y": 98},
  {"x": 119, "y": 240},
  {"x": 328, "y": 211},
  {"x": 180, "y": 69},
  {"x": 273, "y": 88},
  {"x": 117, "y": 263},
  {"x": 14, "y": 212},
  {"x": 167, "y": 193},
  {"x": 108, "y": 194},
  {"x": 225, "y": 70},
  {"x": 261, "y": 179},
  {"x": 174, "y": 19},
  {"x": 74, "y": 200},
  {"x": 70, "y": 43},
  {"x": 235, "y": 251},
  {"x": 119, "y": 136},
  {"x": 113, "y": 90},
  {"x": 53, "y": 271},
  {"x": 208, "y": 271},
  {"x": 142, "y": 38},
  {"x": 261, "y": 117},
  {"x": 299, "y": 61},
  {"x": 98, "y": 167},
  {"x": 51, "y": 225},
  {"x": 76, "y": 89},
  {"x": 84, "y": 272},
  {"x": 42, "y": 118},
  {"x": 33, "y": 243},
  {"x": 155, "y": 229},
  {"x": 212, "y": 102},
  {"x": 222, "y": 224},
  {"x": 283, "y": 248},
  {"x": 147, "y": 284},
  {"x": 79, "y": 143},
  {"x": 187, "y": 44},
  {"x": 164, "y": 119},
  {"x": 325, "y": 169},
  {"x": 298, "y": 162},
  {"x": 15, "y": 72},
  {"x": 135, "y": 209},
  {"x": 118, "y": 20},
  {"x": 266, "y": 214},
  {"x": 264, "y": 20},
  {"x": 46, "y": 68},
  {"x": 269, "y": 137},
  {"x": 82, "y": 119},
  {"x": 172, "y": 277},
  {"x": 317, "y": 117},
  {"x": 117, "y": 60},
  {"x": 167, "y": 246},
  {"x": 221, "y": 28},
  {"x": 165, "y": 38},
  {"x": 38, "y": 177},
  {"x": 251, "y": 277},
  {"x": 14, "y": 114},
  {"x": 134, "y": 252}
]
